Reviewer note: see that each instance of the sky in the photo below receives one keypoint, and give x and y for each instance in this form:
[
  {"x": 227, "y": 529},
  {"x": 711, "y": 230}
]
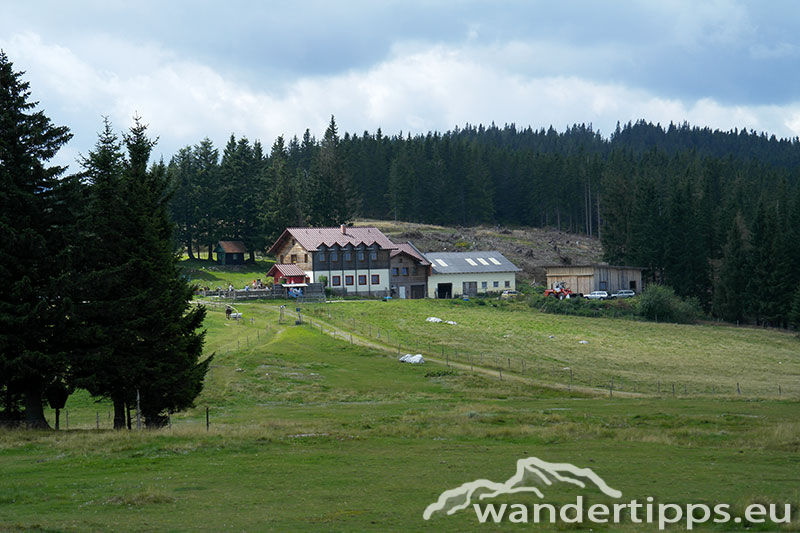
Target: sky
[{"x": 262, "y": 69}]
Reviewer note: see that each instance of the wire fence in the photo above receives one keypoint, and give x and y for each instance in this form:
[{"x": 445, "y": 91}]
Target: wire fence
[{"x": 546, "y": 370}]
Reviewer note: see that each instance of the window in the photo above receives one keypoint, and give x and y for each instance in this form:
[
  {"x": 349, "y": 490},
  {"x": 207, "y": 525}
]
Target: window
[
  {"x": 414, "y": 271},
  {"x": 337, "y": 280},
  {"x": 293, "y": 242},
  {"x": 348, "y": 280},
  {"x": 405, "y": 271},
  {"x": 321, "y": 256},
  {"x": 305, "y": 258},
  {"x": 376, "y": 279},
  {"x": 294, "y": 258},
  {"x": 484, "y": 284},
  {"x": 508, "y": 284},
  {"x": 495, "y": 284},
  {"x": 282, "y": 258},
  {"x": 347, "y": 256},
  {"x": 373, "y": 256},
  {"x": 362, "y": 279},
  {"x": 361, "y": 256},
  {"x": 394, "y": 271},
  {"x": 603, "y": 285},
  {"x": 334, "y": 256}
]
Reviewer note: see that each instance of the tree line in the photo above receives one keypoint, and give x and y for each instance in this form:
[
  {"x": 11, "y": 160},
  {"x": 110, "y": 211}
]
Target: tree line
[
  {"x": 93, "y": 296},
  {"x": 711, "y": 213}
]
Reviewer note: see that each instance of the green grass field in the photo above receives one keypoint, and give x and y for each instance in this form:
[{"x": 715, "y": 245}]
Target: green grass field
[
  {"x": 312, "y": 433},
  {"x": 206, "y": 273}
]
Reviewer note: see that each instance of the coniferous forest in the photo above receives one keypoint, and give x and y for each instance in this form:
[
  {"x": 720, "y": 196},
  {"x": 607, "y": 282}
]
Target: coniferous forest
[{"x": 713, "y": 214}]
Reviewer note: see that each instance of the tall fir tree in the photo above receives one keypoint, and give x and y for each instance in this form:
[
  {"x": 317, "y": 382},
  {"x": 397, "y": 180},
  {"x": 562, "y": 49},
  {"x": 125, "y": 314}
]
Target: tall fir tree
[
  {"x": 35, "y": 218},
  {"x": 332, "y": 200},
  {"x": 149, "y": 345},
  {"x": 281, "y": 207}
]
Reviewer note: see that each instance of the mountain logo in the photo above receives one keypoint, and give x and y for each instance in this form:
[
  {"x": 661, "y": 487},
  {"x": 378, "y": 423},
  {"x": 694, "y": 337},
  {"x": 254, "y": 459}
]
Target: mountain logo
[{"x": 531, "y": 468}]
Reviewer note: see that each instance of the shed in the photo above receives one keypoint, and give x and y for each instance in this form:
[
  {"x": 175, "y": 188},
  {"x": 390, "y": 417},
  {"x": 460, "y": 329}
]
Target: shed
[
  {"x": 584, "y": 279},
  {"x": 230, "y": 252},
  {"x": 469, "y": 273},
  {"x": 288, "y": 275}
]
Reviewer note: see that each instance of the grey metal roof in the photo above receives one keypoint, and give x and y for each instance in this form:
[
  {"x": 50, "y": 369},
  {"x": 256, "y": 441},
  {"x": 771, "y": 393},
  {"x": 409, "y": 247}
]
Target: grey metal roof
[{"x": 468, "y": 262}]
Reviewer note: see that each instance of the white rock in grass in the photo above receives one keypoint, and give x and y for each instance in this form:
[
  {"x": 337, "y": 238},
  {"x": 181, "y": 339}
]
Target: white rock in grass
[
  {"x": 433, "y": 319},
  {"x": 451, "y": 323},
  {"x": 583, "y": 342},
  {"x": 413, "y": 359}
]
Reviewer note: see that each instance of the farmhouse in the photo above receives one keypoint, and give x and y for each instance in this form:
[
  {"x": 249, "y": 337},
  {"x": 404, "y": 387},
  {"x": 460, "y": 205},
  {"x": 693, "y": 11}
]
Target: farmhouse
[
  {"x": 584, "y": 279},
  {"x": 410, "y": 272},
  {"x": 230, "y": 252},
  {"x": 353, "y": 260},
  {"x": 469, "y": 273}
]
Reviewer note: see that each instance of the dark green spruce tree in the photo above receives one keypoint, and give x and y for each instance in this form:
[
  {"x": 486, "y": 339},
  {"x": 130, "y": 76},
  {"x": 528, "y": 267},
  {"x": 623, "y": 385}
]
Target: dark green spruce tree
[
  {"x": 332, "y": 200},
  {"x": 280, "y": 210},
  {"x": 150, "y": 343},
  {"x": 35, "y": 220}
]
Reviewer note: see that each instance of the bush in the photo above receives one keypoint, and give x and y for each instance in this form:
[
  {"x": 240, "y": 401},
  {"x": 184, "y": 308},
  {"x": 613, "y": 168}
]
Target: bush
[{"x": 660, "y": 303}]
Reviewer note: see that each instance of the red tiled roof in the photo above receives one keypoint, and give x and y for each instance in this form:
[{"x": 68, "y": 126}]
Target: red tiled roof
[
  {"x": 313, "y": 238},
  {"x": 409, "y": 249},
  {"x": 286, "y": 270},
  {"x": 233, "y": 247}
]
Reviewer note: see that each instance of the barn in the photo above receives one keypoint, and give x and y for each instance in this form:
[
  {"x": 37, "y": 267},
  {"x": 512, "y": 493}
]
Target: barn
[
  {"x": 584, "y": 279},
  {"x": 230, "y": 252},
  {"x": 454, "y": 274}
]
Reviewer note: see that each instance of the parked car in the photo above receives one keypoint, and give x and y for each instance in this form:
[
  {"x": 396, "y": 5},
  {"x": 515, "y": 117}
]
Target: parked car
[
  {"x": 597, "y": 295},
  {"x": 509, "y": 295},
  {"x": 624, "y": 293}
]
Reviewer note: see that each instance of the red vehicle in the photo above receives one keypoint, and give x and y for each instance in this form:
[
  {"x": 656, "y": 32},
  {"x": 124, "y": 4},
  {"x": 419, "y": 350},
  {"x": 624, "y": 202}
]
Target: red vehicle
[{"x": 560, "y": 291}]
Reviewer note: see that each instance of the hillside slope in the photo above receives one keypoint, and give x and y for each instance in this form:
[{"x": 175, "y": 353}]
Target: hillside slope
[{"x": 528, "y": 248}]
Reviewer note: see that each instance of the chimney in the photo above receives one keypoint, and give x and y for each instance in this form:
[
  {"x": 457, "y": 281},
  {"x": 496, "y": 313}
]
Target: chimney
[{"x": 344, "y": 229}]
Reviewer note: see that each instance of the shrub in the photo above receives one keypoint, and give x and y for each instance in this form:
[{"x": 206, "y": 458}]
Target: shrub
[{"x": 660, "y": 303}]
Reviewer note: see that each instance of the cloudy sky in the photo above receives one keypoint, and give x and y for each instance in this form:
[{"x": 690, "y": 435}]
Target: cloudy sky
[{"x": 261, "y": 69}]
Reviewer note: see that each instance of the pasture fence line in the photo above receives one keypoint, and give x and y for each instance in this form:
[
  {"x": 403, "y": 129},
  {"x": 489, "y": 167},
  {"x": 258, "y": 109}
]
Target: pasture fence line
[{"x": 545, "y": 369}]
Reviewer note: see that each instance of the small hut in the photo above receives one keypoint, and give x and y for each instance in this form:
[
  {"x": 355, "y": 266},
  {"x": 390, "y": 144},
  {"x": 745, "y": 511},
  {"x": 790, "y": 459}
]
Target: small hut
[
  {"x": 288, "y": 275},
  {"x": 230, "y": 252}
]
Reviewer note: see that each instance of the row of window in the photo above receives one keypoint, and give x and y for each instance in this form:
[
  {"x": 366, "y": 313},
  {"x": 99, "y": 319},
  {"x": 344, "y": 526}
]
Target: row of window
[
  {"x": 348, "y": 256},
  {"x": 396, "y": 271},
  {"x": 293, "y": 259},
  {"x": 336, "y": 281},
  {"x": 495, "y": 284}
]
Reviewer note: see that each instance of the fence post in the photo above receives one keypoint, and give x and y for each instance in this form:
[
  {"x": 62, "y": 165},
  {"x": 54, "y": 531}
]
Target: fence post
[
  {"x": 611, "y": 388},
  {"x": 207, "y": 423},
  {"x": 138, "y": 413},
  {"x": 501, "y": 374},
  {"x": 570, "y": 379},
  {"x": 98, "y": 420},
  {"x": 738, "y": 390},
  {"x": 673, "y": 390}
]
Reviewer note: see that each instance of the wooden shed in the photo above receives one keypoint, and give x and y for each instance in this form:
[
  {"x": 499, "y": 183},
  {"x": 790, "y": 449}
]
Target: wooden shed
[
  {"x": 230, "y": 252},
  {"x": 596, "y": 277},
  {"x": 288, "y": 275}
]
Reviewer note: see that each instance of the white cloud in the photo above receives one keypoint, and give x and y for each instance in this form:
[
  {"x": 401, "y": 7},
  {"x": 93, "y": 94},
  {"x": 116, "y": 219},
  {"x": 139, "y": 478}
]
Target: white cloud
[{"x": 419, "y": 88}]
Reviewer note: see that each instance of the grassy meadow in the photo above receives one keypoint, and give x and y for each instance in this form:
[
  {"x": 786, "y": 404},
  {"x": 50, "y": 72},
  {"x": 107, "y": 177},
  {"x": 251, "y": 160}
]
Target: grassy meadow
[{"x": 312, "y": 433}]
